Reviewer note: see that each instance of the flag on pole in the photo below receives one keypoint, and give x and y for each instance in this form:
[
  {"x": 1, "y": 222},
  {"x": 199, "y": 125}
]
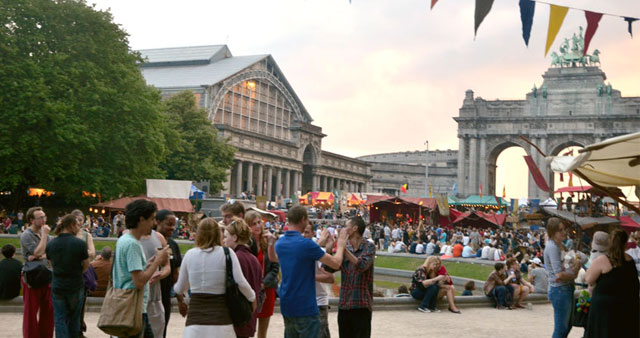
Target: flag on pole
[
  {"x": 570, "y": 179},
  {"x": 527, "y": 8},
  {"x": 556, "y": 17},
  {"x": 433, "y": 3},
  {"x": 454, "y": 189},
  {"x": 504, "y": 191},
  {"x": 404, "y": 188},
  {"x": 483, "y": 7},
  {"x": 430, "y": 190},
  {"x": 537, "y": 175},
  {"x": 480, "y": 190},
  {"x": 592, "y": 25}
]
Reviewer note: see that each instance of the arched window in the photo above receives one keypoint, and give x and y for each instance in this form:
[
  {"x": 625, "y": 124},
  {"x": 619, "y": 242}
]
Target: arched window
[{"x": 256, "y": 106}]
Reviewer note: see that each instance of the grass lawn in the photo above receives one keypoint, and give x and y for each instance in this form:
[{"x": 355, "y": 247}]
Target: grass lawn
[{"x": 465, "y": 270}]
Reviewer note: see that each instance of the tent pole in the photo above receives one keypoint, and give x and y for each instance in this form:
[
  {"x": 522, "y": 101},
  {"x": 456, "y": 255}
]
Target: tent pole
[{"x": 604, "y": 190}]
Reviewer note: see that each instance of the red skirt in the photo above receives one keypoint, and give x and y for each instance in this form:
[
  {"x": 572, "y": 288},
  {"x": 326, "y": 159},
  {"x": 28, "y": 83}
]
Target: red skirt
[{"x": 269, "y": 303}]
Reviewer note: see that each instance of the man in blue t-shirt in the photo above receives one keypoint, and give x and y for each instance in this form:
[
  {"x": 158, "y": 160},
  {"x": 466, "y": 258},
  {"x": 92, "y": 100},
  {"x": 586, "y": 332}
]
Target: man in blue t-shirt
[
  {"x": 131, "y": 270},
  {"x": 297, "y": 256}
]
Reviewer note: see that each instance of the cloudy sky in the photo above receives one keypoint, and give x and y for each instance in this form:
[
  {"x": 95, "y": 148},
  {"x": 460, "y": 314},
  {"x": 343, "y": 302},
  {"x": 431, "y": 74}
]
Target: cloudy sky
[{"x": 381, "y": 75}]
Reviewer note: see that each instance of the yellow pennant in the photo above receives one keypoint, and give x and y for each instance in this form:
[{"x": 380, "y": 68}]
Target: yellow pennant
[{"x": 556, "y": 17}]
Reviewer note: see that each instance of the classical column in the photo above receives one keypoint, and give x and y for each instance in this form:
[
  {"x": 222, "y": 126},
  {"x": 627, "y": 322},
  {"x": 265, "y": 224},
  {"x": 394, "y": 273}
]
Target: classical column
[
  {"x": 278, "y": 182},
  {"x": 473, "y": 167},
  {"x": 329, "y": 184},
  {"x": 314, "y": 182},
  {"x": 462, "y": 182},
  {"x": 324, "y": 183},
  {"x": 250, "y": 178},
  {"x": 238, "y": 179},
  {"x": 260, "y": 182},
  {"x": 269, "y": 183},
  {"x": 482, "y": 162},
  {"x": 299, "y": 186},
  {"x": 287, "y": 183}
]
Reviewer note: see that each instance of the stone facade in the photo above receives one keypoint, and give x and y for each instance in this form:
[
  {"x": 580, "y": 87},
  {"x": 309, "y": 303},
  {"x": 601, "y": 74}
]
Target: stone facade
[
  {"x": 391, "y": 170},
  {"x": 572, "y": 107},
  {"x": 248, "y": 99}
]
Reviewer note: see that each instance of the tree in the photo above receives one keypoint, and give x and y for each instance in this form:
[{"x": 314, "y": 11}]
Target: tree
[
  {"x": 196, "y": 152},
  {"x": 76, "y": 112}
]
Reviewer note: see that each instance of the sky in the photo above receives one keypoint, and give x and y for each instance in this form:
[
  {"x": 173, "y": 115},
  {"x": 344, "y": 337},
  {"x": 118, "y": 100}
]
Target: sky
[{"x": 384, "y": 76}]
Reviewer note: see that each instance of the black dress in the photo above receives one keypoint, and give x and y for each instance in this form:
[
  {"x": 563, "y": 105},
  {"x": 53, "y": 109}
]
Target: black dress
[{"x": 615, "y": 304}]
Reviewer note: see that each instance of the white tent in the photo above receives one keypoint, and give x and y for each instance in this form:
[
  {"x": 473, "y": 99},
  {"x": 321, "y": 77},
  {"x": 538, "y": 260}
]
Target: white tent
[
  {"x": 611, "y": 163},
  {"x": 549, "y": 203}
]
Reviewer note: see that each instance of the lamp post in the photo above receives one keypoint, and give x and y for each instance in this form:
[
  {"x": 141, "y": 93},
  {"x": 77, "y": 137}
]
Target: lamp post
[{"x": 426, "y": 172}]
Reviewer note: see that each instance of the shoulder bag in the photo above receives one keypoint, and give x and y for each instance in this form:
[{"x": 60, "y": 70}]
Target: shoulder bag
[
  {"x": 121, "y": 313},
  {"x": 239, "y": 307}
]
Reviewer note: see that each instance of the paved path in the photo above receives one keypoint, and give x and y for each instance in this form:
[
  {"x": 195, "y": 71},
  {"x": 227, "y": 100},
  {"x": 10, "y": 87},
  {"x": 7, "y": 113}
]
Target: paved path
[{"x": 472, "y": 323}]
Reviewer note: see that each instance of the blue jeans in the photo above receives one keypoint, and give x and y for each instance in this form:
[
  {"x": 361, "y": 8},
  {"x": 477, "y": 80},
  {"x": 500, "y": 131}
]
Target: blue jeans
[
  {"x": 561, "y": 298},
  {"x": 386, "y": 242},
  {"x": 501, "y": 295},
  {"x": 428, "y": 296},
  {"x": 302, "y": 327},
  {"x": 67, "y": 309}
]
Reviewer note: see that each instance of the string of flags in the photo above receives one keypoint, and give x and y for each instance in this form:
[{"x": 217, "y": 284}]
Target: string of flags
[{"x": 556, "y": 18}]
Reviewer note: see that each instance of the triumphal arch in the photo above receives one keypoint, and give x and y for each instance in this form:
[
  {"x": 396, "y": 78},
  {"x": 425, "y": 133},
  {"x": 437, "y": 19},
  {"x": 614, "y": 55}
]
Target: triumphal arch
[{"x": 574, "y": 106}]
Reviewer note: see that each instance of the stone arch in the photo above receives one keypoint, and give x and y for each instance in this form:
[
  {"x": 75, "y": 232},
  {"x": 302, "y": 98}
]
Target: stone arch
[
  {"x": 495, "y": 148},
  {"x": 556, "y": 146},
  {"x": 309, "y": 162},
  {"x": 227, "y": 85}
]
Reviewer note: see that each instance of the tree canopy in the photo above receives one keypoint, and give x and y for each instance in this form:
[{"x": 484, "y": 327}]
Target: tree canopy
[
  {"x": 76, "y": 112},
  {"x": 195, "y": 153}
]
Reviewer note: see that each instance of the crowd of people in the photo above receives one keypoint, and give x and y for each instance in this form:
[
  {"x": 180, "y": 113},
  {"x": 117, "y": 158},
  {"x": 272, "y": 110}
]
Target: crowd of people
[{"x": 304, "y": 256}]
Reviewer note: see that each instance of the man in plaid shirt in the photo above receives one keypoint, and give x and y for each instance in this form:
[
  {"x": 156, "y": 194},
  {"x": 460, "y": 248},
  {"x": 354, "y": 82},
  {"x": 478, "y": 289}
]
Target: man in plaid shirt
[{"x": 356, "y": 289}]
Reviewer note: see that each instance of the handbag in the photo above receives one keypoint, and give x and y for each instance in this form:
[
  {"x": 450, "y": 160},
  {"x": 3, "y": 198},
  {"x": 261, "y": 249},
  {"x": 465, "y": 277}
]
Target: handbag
[
  {"x": 240, "y": 309},
  {"x": 36, "y": 275},
  {"x": 121, "y": 313}
]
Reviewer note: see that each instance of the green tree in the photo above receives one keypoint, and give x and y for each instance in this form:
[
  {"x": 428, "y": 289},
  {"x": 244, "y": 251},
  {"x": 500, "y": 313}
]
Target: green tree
[
  {"x": 75, "y": 112},
  {"x": 196, "y": 151}
]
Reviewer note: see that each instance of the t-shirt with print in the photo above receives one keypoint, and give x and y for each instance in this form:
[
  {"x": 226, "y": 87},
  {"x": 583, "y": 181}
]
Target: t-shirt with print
[
  {"x": 129, "y": 257},
  {"x": 298, "y": 256},
  {"x": 66, "y": 253}
]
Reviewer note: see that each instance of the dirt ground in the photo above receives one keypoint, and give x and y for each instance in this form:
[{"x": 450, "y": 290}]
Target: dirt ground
[{"x": 473, "y": 322}]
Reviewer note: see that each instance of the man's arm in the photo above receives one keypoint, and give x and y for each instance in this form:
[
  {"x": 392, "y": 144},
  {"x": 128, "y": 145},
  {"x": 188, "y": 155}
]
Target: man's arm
[
  {"x": 39, "y": 251},
  {"x": 166, "y": 268},
  {"x": 365, "y": 260},
  {"x": 141, "y": 277},
  {"x": 324, "y": 277},
  {"x": 335, "y": 262}
]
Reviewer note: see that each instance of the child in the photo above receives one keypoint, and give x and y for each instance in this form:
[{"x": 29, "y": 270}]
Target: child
[{"x": 468, "y": 288}]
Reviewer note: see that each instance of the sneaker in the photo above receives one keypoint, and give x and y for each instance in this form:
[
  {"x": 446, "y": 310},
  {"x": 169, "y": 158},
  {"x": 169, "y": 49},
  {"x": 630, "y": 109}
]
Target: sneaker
[
  {"x": 435, "y": 310},
  {"x": 500, "y": 307},
  {"x": 423, "y": 310}
]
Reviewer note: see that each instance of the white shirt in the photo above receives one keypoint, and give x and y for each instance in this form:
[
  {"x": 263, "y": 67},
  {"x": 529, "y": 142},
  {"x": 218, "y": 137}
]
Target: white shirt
[
  {"x": 394, "y": 233},
  {"x": 387, "y": 231},
  {"x": 398, "y": 247},
  {"x": 430, "y": 248},
  {"x": 485, "y": 252},
  {"x": 496, "y": 255},
  {"x": 635, "y": 254},
  {"x": 322, "y": 293},
  {"x": 332, "y": 230},
  {"x": 419, "y": 248},
  {"x": 204, "y": 272},
  {"x": 465, "y": 240},
  {"x": 366, "y": 234}
]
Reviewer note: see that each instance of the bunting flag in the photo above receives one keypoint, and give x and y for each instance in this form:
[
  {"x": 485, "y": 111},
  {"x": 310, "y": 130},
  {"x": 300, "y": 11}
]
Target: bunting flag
[
  {"x": 454, "y": 189},
  {"x": 527, "y": 8},
  {"x": 592, "y": 25},
  {"x": 630, "y": 21},
  {"x": 537, "y": 175},
  {"x": 556, "y": 17},
  {"x": 571, "y": 179},
  {"x": 430, "y": 190},
  {"x": 480, "y": 190},
  {"x": 433, "y": 3},
  {"x": 404, "y": 188},
  {"x": 483, "y": 7},
  {"x": 504, "y": 191}
]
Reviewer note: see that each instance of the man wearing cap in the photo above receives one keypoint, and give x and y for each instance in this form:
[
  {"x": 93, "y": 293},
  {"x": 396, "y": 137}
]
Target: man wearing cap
[{"x": 538, "y": 276}]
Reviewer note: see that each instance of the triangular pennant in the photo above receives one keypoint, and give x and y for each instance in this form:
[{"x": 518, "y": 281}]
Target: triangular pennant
[
  {"x": 556, "y": 17},
  {"x": 592, "y": 25},
  {"x": 630, "y": 21},
  {"x": 527, "y": 8},
  {"x": 433, "y": 3},
  {"x": 483, "y": 7}
]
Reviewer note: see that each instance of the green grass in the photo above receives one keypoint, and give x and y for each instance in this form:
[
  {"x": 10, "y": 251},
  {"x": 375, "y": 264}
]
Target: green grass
[
  {"x": 465, "y": 270},
  {"x": 98, "y": 244}
]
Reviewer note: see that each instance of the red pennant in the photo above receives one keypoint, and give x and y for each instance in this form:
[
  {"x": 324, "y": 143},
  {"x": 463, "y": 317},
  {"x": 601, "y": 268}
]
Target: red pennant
[
  {"x": 592, "y": 25},
  {"x": 537, "y": 175},
  {"x": 433, "y": 3}
]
